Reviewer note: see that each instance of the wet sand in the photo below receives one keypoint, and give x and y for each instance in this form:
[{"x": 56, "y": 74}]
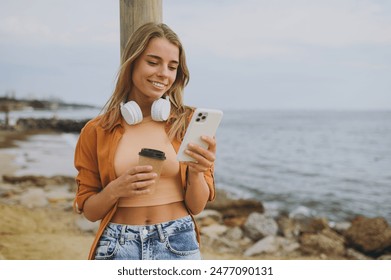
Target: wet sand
[{"x": 38, "y": 233}]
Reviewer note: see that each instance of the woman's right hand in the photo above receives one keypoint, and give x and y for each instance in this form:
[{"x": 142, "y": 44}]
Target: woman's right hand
[{"x": 136, "y": 181}]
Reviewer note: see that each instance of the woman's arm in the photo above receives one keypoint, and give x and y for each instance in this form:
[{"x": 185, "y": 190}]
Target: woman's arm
[
  {"x": 134, "y": 182},
  {"x": 197, "y": 192}
]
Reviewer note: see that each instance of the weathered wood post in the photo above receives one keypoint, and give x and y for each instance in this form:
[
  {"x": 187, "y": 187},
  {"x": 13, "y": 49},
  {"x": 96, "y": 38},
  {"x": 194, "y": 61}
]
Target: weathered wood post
[
  {"x": 134, "y": 13},
  {"x": 5, "y": 107}
]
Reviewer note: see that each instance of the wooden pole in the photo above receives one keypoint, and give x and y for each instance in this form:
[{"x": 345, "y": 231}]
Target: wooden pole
[
  {"x": 134, "y": 13},
  {"x": 6, "y": 107}
]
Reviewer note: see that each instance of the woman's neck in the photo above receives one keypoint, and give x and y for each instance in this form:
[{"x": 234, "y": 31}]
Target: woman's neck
[{"x": 145, "y": 104}]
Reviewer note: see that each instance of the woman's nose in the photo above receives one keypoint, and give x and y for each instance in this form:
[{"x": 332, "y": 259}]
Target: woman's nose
[{"x": 163, "y": 71}]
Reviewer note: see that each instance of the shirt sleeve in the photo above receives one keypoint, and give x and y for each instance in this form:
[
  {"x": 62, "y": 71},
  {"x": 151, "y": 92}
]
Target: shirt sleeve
[
  {"x": 209, "y": 178},
  {"x": 86, "y": 163}
]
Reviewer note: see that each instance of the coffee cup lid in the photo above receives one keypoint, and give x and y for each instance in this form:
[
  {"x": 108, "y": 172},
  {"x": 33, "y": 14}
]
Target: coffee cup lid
[{"x": 152, "y": 153}]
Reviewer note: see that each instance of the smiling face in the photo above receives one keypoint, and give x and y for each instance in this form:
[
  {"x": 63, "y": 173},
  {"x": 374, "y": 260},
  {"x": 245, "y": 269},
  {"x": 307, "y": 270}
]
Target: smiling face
[{"x": 154, "y": 71}]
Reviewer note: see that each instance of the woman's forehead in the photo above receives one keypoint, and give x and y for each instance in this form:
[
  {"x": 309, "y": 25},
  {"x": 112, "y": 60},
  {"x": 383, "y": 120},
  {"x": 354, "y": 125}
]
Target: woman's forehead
[{"x": 162, "y": 48}]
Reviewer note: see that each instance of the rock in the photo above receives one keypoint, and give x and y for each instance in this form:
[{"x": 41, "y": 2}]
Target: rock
[
  {"x": 235, "y": 221},
  {"x": 333, "y": 235},
  {"x": 301, "y": 213},
  {"x": 214, "y": 231},
  {"x": 386, "y": 257},
  {"x": 272, "y": 245},
  {"x": 222, "y": 245},
  {"x": 6, "y": 191},
  {"x": 245, "y": 242},
  {"x": 312, "y": 225},
  {"x": 233, "y": 207},
  {"x": 259, "y": 225},
  {"x": 62, "y": 125},
  {"x": 39, "y": 181},
  {"x": 341, "y": 227},
  {"x": 85, "y": 225},
  {"x": 352, "y": 254},
  {"x": 288, "y": 227},
  {"x": 209, "y": 217},
  {"x": 265, "y": 245},
  {"x": 210, "y": 213},
  {"x": 32, "y": 198},
  {"x": 59, "y": 193},
  {"x": 234, "y": 233},
  {"x": 369, "y": 235},
  {"x": 326, "y": 242},
  {"x": 27, "y": 180},
  {"x": 207, "y": 221},
  {"x": 288, "y": 245},
  {"x": 227, "y": 246}
]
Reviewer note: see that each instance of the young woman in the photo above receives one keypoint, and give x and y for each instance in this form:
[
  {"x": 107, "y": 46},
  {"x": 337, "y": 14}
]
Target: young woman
[{"x": 137, "y": 223}]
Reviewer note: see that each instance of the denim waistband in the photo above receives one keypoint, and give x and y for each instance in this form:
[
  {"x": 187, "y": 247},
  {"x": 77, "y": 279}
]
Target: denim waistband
[{"x": 148, "y": 231}]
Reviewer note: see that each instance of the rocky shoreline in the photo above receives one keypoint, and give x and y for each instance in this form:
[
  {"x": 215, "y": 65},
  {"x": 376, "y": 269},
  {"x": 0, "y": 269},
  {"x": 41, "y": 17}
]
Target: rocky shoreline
[
  {"x": 51, "y": 124},
  {"x": 230, "y": 228},
  {"x": 251, "y": 232}
]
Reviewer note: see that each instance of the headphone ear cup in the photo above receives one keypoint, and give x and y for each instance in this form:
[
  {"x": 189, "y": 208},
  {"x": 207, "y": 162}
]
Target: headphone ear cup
[
  {"x": 131, "y": 112},
  {"x": 160, "y": 110}
]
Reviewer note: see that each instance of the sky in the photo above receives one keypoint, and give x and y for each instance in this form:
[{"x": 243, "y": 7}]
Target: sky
[{"x": 247, "y": 54}]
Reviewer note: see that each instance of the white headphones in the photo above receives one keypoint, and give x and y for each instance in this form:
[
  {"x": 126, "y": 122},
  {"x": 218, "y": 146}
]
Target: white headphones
[{"x": 160, "y": 111}]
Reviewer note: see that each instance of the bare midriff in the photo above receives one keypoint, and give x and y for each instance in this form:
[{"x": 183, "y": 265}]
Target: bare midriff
[{"x": 150, "y": 214}]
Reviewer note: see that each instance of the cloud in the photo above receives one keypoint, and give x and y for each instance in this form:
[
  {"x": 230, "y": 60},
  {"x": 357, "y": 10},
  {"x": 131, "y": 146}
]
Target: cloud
[
  {"x": 244, "y": 29},
  {"x": 44, "y": 22}
]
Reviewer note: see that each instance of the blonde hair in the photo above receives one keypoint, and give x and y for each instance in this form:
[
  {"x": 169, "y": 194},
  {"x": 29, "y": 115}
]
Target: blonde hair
[{"x": 137, "y": 43}]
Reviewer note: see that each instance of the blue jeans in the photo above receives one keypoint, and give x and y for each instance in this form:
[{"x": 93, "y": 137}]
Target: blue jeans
[{"x": 173, "y": 240}]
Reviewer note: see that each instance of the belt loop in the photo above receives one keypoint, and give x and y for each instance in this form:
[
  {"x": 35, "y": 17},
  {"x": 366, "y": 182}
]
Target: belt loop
[
  {"x": 122, "y": 235},
  {"x": 160, "y": 232}
]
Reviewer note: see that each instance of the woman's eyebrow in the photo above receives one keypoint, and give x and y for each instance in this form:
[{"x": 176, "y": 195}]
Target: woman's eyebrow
[{"x": 159, "y": 58}]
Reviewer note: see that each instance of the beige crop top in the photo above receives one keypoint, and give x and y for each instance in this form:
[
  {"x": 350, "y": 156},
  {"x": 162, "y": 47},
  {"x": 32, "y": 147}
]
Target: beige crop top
[{"x": 149, "y": 134}]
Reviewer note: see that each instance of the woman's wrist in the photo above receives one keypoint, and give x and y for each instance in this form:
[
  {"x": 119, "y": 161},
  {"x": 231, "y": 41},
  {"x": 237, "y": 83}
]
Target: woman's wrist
[
  {"x": 110, "y": 190},
  {"x": 192, "y": 173}
]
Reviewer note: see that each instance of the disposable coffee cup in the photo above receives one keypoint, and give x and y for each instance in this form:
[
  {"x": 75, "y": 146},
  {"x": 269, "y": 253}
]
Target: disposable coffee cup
[{"x": 156, "y": 159}]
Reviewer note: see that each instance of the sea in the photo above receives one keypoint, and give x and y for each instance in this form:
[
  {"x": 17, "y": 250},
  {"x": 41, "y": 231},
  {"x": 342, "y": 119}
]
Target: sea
[{"x": 333, "y": 164}]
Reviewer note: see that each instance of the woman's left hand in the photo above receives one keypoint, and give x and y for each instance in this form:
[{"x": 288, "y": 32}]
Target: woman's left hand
[{"x": 204, "y": 157}]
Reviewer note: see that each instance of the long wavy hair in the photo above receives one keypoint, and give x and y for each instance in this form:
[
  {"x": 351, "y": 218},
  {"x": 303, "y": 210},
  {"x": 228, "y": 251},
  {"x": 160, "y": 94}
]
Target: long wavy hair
[{"x": 136, "y": 44}]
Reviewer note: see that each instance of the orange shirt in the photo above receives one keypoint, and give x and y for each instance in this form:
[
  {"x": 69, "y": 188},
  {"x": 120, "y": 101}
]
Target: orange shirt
[{"x": 94, "y": 160}]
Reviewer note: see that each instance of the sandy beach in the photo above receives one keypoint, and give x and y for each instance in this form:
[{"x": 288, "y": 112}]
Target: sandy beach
[{"x": 40, "y": 233}]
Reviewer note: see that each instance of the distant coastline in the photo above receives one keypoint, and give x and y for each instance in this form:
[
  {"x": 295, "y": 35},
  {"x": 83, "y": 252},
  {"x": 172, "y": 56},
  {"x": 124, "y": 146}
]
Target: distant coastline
[
  {"x": 27, "y": 114},
  {"x": 10, "y": 103}
]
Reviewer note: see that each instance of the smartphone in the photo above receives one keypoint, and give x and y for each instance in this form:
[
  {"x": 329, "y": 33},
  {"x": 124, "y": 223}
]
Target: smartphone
[{"x": 204, "y": 122}]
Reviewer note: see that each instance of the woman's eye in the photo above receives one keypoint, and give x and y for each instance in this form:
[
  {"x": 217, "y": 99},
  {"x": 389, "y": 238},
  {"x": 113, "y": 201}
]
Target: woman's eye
[
  {"x": 173, "y": 68},
  {"x": 152, "y": 62}
]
